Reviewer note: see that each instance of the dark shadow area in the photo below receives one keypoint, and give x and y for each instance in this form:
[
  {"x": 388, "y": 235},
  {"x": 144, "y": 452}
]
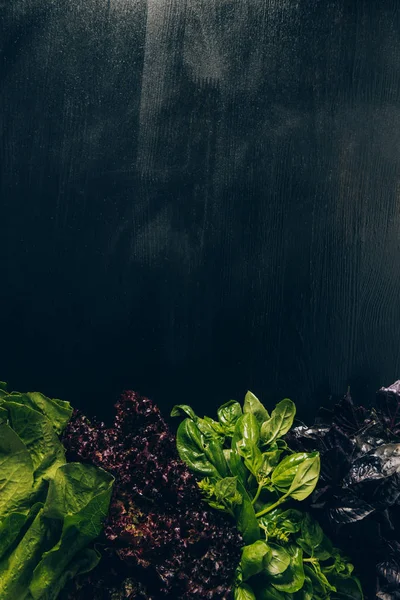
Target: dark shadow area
[{"x": 200, "y": 198}]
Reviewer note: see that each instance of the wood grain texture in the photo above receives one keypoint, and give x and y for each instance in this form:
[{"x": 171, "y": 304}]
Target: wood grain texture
[{"x": 200, "y": 197}]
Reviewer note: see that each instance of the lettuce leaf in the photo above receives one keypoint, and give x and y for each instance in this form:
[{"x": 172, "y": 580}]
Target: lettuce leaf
[
  {"x": 50, "y": 511},
  {"x": 83, "y": 562},
  {"x": 79, "y": 496},
  {"x": 54, "y": 547},
  {"x": 16, "y": 570},
  {"x": 57, "y": 411},
  {"x": 16, "y": 472},
  {"x": 40, "y": 439},
  {"x": 13, "y": 526}
]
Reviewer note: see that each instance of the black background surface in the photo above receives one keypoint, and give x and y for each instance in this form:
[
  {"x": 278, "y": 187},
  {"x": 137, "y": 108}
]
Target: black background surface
[{"x": 200, "y": 197}]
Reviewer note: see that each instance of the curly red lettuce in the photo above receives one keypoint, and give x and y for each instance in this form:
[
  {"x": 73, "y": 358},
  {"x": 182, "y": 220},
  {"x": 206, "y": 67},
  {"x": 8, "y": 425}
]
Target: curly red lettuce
[{"x": 160, "y": 539}]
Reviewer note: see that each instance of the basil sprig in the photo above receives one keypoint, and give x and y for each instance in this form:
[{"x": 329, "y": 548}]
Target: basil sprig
[{"x": 247, "y": 471}]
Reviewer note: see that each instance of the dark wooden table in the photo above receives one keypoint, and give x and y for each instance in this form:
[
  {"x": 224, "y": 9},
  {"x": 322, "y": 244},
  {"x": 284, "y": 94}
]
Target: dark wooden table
[{"x": 200, "y": 197}]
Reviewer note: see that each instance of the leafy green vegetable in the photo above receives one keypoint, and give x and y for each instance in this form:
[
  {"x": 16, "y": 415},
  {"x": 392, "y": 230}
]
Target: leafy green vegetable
[
  {"x": 264, "y": 591},
  {"x": 223, "y": 494},
  {"x": 281, "y": 420},
  {"x": 50, "y": 511},
  {"x": 285, "y": 472},
  {"x": 270, "y": 460},
  {"x": 306, "y": 478},
  {"x": 244, "y": 592},
  {"x": 16, "y": 472},
  {"x": 246, "y": 519},
  {"x": 324, "y": 550},
  {"x": 78, "y": 497},
  {"x": 254, "y": 406},
  {"x": 57, "y": 411},
  {"x": 226, "y": 489},
  {"x": 280, "y": 560},
  {"x": 348, "y": 589},
  {"x": 40, "y": 438},
  {"x": 183, "y": 409},
  {"x": 17, "y": 568},
  {"x": 247, "y": 429},
  {"x": 287, "y": 556},
  {"x": 83, "y": 562},
  {"x": 292, "y": 578},
  {"x": 236, "y": 465},
  {"x": 12, "y": 526},
  {"x": 192, "y": 449},
  {"x": 228, "y": 414},
  {"x": 254, "y": 558},
  {"x": 311, "y": 532}
]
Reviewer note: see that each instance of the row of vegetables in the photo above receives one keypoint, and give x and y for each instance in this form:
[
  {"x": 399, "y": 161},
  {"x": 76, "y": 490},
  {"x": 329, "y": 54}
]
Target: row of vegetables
[{"x": 249, "y": 505}]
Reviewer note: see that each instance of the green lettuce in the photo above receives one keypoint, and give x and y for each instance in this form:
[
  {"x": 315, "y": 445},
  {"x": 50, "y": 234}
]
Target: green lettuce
[{"x": 50, "y": 510}]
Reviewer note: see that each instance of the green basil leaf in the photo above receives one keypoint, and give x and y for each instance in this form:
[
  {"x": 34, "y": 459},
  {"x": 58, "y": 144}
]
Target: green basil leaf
[
  {"x": 226, "y": 489},
  {"x": 236, "y": 466},
  {"x": 269, "y": 461},
  {"x": 348, "y": 589},
  {"x": 264, "y": 590},
  {"x": 254, "y": 406},
  {"x": 183, "y": 409},
  {"x": 280, "y": 422},
  {"x": 279, "y": 560},
  {"x": 251, "y": 453},
  {"x": 191, "y": 449},
  {"x": 318, "y": 586},
  {"x": 341, "y": 567},
  {"x": 244, "y": 592},
  {"x": 247, "y": 428},
  {"x": 281, "y": 444},
  {"x": 322, "y": 579},
  {"x": 305, "y": 479},
  {"x": 247, "y": 434},
  {"x": 217, "y": 506},
  {"x": 305, "y": 546},
  {"x": 284, "y": 473},
  {"x": 228, "y": 455},
  {"x": 228, "y": 414},
  {"x": 246, "y": 518},
  {"x": 254, "y": 558},
  {"x": 215, "y": 455},
  {"x": 292, "y": 579},
  {"x": 324, "y": 550},
  {"x": 212, "y": 430},
  {"x": 237, "y": 434},
  {"x": 279, "y": 515},
  {"x": 311, "y": 531},
  {"x": 290, "y": 520},
  {"x": 306, "y": 592}
]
